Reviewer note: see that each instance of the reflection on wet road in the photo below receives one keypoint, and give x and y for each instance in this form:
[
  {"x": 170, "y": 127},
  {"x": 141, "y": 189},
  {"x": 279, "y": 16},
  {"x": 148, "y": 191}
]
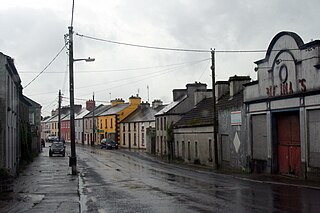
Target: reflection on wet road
[{"x": 118, "y": 181}]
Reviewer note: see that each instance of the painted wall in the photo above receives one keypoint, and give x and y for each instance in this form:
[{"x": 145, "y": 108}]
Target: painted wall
[{"x": 194, "y": 145}]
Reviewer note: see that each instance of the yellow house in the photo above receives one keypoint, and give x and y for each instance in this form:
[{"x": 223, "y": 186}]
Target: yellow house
[
  {"x": 109, "y": 121},
  {"x": 54, "y": 125}
]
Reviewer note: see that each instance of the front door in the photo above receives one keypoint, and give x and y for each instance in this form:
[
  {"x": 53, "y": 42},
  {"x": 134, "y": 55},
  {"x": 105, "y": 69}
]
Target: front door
[{"x": 289, "y": 147}]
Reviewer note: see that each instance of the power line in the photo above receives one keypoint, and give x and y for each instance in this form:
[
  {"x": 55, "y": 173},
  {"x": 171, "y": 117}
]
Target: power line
[
  {"x": 163, "y": 71},
  {"x": 142, "y": 79},
  {"x": 45, "y": 67},
  {"x": 143, "y": 46},
  {"x": 149, "y": 74},
  {"x": 168, "y": 48},
  {"x": 123, "y": 69}
]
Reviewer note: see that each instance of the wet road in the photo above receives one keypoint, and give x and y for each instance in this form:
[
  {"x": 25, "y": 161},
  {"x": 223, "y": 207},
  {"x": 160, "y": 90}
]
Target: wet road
[{"x": 120, "y": 181}]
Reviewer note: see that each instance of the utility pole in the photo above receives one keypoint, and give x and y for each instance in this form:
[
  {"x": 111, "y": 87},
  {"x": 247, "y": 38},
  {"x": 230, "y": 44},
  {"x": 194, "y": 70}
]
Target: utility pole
[
  {"x": 93, "y": 123},
  {"x": 73, "y": 158},
  {"x": 215, "y": 128},
  {"x": 59, "y": 116},
  {"x": 148, "y": 93}
]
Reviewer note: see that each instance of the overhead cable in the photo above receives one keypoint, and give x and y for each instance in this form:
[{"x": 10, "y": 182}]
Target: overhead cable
[
  {"x": 168, "y": 48},
  {"x": 143, "y": 46},
  {"x": 45, "y": 67}
]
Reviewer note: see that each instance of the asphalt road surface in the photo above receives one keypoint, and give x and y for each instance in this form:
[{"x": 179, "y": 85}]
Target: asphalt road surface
[{"x": 122, "y": 181}]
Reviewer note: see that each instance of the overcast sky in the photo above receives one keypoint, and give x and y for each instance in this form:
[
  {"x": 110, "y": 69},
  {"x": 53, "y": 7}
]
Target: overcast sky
[{"x": 32, "y": 32}]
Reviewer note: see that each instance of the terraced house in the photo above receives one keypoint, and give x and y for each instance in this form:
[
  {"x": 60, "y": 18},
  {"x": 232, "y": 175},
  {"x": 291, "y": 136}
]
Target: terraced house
[
  {"x": 109, "y": 121},
  {"x": 133, "y": 129}
]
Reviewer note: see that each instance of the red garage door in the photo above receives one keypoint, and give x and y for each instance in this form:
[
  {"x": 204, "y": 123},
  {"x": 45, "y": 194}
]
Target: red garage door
[{"x": 289, "y": 150}]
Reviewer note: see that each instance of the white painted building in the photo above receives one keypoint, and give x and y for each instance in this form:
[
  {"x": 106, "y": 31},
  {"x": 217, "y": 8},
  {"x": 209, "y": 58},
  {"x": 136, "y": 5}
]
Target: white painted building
[
  {"x": 283, "y": 108},
  {"x": 133, "y": 129}
]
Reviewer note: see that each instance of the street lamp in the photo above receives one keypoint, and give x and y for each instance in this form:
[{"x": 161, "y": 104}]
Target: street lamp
[{"x": 73, "y": 157}]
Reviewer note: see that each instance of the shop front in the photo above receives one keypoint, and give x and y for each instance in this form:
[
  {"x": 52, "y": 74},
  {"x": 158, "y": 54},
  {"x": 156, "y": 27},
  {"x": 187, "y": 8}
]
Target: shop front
[{"x": 283, "y": 108}]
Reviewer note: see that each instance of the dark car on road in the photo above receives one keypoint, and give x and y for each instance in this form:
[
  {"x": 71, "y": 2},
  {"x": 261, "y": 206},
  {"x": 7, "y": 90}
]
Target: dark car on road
[
  {"x": 109, "y": 144},
  {"x": 52, "y": 138},
  {"x": 57, "y": 148}
]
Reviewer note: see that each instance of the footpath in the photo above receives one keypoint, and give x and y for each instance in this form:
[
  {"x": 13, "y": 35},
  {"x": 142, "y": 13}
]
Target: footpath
[{"x": 46, "y": 185}]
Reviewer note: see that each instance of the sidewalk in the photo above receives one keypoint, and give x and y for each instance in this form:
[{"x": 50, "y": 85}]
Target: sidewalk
[{"x": 46, "y": 185}]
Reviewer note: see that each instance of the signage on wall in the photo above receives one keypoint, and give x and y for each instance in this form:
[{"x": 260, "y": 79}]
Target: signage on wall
[
  {"x": 285, "y": 87},
  {"x": 236, "y": 118}
]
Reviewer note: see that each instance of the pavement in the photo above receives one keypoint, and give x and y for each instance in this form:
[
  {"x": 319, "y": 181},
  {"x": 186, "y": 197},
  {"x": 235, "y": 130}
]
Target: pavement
[{"x": 46, "y": 185}]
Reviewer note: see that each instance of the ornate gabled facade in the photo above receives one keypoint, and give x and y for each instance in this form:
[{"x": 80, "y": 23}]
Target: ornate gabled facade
[{"x": 283, "y": 108}]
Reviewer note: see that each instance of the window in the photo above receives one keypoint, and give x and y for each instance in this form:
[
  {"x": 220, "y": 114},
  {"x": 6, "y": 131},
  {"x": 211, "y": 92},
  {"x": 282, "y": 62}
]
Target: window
[
  {"x": 183, "y": 152},
  {"x": 124, "y": 127},
  {"x": 129, "y": 127},
  {"x": 135, "y": 139},
  {"x": 100, "y": 124},
  {"x": 86, "y": 124},
  {"x": 124, "y": 139},
  {"x": 196, "y": 149},
  {"x": 189, "y": 156},
  {"x": 157, "y": 143},
  {"x": 165, "y": 123},
  {"x": 90, "y": 126},
  {"x": 129, "y": 138},
  {"x": 106, "y": 123},
  {"x": 111, "y": 123},
  {"x": 210, "y": 150},
  {"x": 135, "y": 127},
  {"x": 157, "y": 123},
  {"x": 178, "y": 149},
  {"x": 142, "y": 139},
  {"x": 161, "y": 124},
  {"x": 142, "y": 129}
]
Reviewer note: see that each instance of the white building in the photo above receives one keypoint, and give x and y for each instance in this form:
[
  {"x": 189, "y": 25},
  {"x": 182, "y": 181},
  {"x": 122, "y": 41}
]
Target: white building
[
  {"x": 79, "y": 125},
  {"x": 283, "y": 108},
  {"x": 133, "y": 129}
]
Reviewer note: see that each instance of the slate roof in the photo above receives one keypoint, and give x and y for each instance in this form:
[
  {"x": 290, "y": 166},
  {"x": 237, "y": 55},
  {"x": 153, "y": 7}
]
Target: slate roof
[
  {"x": 202, "y": 113},
  {"x": 55, "y": 118},
  {"x": 115, "y": 109},
  {"x": 82, "y": 113},
  {"x": 98, "y": 110},
  {"x": 143, "y": 114},
  {"x": 170, "y": 106},
  {"x": 32, "y": 102},
  {"x": 227, "y": 102}
]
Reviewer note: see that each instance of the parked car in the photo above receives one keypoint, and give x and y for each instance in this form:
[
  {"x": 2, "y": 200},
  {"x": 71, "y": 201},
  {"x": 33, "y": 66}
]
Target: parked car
[
  {"x": 52, "y": 138},
  {"x": 109, "y": 144},
  {"x": 57, "y": 148}
]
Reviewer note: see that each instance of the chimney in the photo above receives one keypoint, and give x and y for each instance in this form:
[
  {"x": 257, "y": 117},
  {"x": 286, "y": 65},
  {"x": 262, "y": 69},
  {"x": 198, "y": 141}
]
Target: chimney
[
  {"x": 144, "y": 105},
  {"x": 191, "y": 88},
  {"x": 236, "y": 84},
  {"x": 178, "y": 94},
  {"x": 134, "y": 100},
  {"x": 156, "y": 103},
  {"x": 222, "y": 88},
  {"x": 90, "y": 104},
  {"x": 117, "y": 101}
]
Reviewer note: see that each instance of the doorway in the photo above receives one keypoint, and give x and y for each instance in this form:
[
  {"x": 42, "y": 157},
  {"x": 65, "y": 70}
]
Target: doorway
[{"x": 288, "y": 143}]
